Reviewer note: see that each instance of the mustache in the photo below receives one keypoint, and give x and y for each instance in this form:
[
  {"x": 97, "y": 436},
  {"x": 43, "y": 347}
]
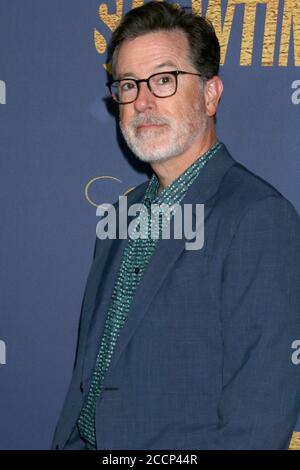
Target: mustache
[{"x": 147, "y": 120}]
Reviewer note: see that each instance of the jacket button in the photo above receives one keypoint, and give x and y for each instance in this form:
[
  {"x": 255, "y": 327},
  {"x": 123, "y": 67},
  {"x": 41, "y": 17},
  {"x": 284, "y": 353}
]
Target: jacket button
[{"x": 81, "y": 387}]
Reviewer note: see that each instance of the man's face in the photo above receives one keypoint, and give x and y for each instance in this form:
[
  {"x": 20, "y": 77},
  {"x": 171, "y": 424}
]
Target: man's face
[{"x": 157, "y": 129}]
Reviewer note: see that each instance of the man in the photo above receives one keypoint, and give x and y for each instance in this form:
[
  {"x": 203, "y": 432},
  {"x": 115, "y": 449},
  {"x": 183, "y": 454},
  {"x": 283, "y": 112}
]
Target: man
[{"x": 178, "y": 348}]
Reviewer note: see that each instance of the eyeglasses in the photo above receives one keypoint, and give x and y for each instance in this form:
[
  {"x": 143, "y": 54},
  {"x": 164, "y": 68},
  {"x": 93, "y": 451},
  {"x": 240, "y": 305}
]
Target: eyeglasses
[{"x": 161, "y": 85}]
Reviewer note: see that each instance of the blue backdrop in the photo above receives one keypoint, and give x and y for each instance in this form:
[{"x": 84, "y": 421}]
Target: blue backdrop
[{"x": 57, "y": 133}]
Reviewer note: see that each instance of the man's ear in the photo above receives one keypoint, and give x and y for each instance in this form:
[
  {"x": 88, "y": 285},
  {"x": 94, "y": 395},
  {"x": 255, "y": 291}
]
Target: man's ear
[{"x": 212, "y": 94}]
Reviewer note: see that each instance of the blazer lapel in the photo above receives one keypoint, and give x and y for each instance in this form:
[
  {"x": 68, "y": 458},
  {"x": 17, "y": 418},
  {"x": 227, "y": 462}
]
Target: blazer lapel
[{"x": 100, "y": 285}]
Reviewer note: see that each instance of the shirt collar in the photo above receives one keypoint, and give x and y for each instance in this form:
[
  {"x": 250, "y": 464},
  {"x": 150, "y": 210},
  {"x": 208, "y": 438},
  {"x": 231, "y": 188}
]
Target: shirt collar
[{"x": 177, "y": 189}]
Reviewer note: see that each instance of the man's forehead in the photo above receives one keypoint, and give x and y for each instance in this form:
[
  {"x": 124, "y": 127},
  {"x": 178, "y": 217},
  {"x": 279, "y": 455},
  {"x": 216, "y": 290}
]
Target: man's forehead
[{"x": 152, "y": 51}]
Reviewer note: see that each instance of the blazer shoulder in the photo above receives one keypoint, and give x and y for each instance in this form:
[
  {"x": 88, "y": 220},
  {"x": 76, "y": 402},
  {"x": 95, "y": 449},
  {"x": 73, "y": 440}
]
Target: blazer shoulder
[
  {"x": 243, "y": 189},
  {"x": 245, "y": 196},
  {"x": 138, "y": 191},
  {"x": 135, "y": 194}
]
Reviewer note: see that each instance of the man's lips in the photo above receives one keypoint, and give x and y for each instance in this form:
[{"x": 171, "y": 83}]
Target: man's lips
[{"x": 146, "y": 126}]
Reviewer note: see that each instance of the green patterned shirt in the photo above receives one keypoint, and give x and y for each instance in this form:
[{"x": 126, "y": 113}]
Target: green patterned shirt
[{"x": 135, "y": 258}]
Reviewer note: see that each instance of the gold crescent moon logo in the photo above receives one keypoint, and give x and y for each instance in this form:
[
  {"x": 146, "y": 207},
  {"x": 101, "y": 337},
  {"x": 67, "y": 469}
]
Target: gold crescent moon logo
[{"x": 88, "y": 185}]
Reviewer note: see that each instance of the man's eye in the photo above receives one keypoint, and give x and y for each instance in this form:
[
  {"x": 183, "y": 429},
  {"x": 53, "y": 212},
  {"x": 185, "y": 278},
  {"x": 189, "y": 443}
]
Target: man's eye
[
  {"x": 127, "y": 86},
  {"x": 165, "y": 80}
]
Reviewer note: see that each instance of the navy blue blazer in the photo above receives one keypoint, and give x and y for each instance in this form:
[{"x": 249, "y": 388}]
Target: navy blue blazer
[{"x": 204, "y": 360}]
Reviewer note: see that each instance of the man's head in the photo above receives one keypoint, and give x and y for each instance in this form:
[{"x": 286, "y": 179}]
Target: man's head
[{"x": 159, "y": 37}]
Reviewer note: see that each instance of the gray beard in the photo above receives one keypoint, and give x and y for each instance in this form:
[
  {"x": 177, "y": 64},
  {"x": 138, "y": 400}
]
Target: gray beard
[{"x": 181, "y": 138}]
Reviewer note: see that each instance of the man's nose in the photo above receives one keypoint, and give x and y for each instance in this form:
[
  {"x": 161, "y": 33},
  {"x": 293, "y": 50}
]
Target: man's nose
[{"x": 145, "y": 98}]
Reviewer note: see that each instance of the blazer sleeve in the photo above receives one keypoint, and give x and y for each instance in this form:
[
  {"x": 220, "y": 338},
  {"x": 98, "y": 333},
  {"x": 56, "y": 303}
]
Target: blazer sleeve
[
  {"x": 260, "y": 309},
  {"x": 81, "y": 330}
]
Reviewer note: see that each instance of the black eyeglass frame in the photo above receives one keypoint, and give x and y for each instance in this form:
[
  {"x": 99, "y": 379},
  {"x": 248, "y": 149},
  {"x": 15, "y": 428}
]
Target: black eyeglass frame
[{"x": 175, "y": 73}]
